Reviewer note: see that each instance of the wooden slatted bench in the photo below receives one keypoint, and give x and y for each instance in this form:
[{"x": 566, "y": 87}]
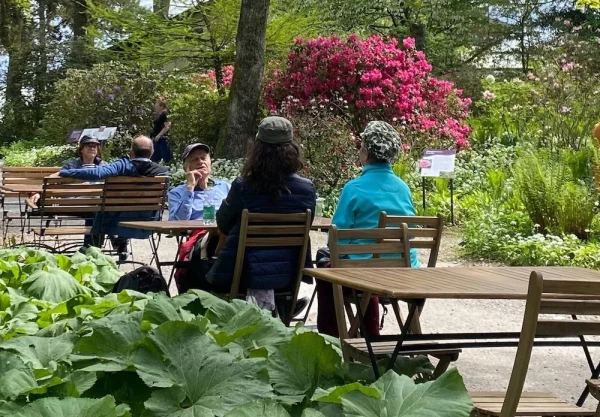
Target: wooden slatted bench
[
  {"x": 530, "y": 404},
  {"x": 19, "y": 178}
]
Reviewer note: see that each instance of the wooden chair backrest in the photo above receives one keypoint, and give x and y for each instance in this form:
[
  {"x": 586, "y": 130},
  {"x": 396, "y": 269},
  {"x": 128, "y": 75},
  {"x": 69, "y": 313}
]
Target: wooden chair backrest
[
  {"x": 135, "y": 194},
  {"x": 425, "y": 232},
  {"x": 272, "y": 230},
  {"x": 25, "y": 176},
  {"x": 69, "y": 196},
  {"x": 550, "y": 297},
  {"x": 380, "y": 241}
]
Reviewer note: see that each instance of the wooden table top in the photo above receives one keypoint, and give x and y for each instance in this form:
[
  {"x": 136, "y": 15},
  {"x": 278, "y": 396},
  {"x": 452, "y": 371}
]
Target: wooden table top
[
  {"x": 184, "y": 226},
  {"x": 454, "y": 282}
]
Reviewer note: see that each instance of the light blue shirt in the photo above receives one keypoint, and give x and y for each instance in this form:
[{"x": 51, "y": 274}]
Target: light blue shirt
[
  {"x": 189, "y": 205},
  {"x": 364, "y": 198}
]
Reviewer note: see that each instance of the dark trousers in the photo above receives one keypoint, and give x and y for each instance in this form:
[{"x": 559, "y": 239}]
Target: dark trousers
[{"x": 326, "y": 318}]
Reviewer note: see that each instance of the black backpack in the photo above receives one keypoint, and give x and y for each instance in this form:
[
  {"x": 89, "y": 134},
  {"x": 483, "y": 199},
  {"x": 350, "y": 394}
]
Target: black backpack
[{"x": 145, "y": 279}]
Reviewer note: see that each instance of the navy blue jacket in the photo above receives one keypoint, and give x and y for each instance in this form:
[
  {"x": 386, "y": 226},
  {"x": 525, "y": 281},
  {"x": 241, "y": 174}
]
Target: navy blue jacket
[
  {"x": 137, "y": 167},
  {"x": 264, "y": 268}
]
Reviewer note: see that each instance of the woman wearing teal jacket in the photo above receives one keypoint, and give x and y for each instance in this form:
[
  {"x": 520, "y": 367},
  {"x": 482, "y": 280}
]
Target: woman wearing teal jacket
[{"x": 362, "y": 200}]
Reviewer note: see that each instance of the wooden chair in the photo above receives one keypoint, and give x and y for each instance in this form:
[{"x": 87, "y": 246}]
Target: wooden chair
[
  {"x": 377, "y": 243},
  {"x": 133, "y": 199},
  {"x": 425, "y": 233},
  {"x": 273, "y": 230},
  {"x": 594, "y": 387},
  {"x": 12, "y": 203},
  {"x": 72, "y": 201},
  {"x": 548, "y": 297}
]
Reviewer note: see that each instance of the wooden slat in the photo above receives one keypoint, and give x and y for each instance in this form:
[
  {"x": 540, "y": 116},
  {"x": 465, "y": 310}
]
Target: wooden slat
[
  {"x": 372, "y": 248},
  {"x": 531, "y": 404},
  {"x": 24, "y": 181},
  {"x": 580, "y": 286},
  {"x": 129, "y": 180},
  {"x": 131, "y": 194},
  {"x": 371, "y": 263},
  {"x": 70, "y": 201},
  {"x": 152, "y": 207},
  {"x": 71, "y": 209},
  {"x": 135, "y": 201},
  {"x": 276, "y": 230},
  {"x": 125, "y": 187},
  {"x": 277, "y": 218},
  {"x": 6, "y": 169},
  {"x": 577, "y": 307},
  {"x": 567, "y": 327},
  {"x": 63, "y": 231},
  {"x": 370, "y": 233},
  {"x": 426, "y": 221},
  {"x": 274, "y": 241}
]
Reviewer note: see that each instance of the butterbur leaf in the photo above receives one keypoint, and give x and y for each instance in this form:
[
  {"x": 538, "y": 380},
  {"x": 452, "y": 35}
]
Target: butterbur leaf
[
  {"x": 309, "y": 412},
  {"x": 160, "y": 309},
  {"x": 205, "y": 379},
  {"x": 17, "y": 377},
  {"x": 334, "y": 395},
  {"x": 63, "y": 262},
  {"x": 400, "y": 396},
  {"x": 41, "y": 352},
  {"x": 111, "y": 342},
  {"x": 53, "y": 285},
  {"x": 305, "y": 364},
  {"x": 72, "y": 407},
  {"x": 262, "y": 408}
]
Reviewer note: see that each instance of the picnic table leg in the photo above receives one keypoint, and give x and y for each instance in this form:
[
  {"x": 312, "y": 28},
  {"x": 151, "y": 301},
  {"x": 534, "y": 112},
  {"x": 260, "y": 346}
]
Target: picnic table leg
[
  {"x": 414, "y": 306},
  {"x": 338, "y": 302},
  {"x": 365, "y": 334},
  {"x": 154, "y": 245}
]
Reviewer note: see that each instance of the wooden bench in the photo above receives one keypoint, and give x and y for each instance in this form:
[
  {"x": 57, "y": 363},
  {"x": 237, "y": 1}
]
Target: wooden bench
[
  {"x": 564, "y": 294},
  {"x": 96, "y": 204},
  {"x": 386, "y": 241},
  {"x": 19, "y": 178}
]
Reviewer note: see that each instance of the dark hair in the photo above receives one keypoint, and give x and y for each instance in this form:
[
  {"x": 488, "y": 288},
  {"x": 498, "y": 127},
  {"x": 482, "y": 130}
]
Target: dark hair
[
  {"x": 141, "y": 151},
  {"x": 268, "y": 165}
]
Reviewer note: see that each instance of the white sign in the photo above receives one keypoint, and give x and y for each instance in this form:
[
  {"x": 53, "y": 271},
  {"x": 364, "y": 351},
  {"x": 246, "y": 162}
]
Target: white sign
[{"x": 438, "y": 163}]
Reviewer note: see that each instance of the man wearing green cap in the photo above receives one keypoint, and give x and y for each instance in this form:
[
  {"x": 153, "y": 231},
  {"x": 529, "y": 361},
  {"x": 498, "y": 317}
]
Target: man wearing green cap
[{"x": 361, "y": 201}]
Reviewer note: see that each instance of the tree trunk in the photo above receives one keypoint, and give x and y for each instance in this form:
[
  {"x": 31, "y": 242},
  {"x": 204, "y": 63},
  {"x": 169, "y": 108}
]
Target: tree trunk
[
  {"x": 247, "y": 77},
  {"x": 417, "y": 32},
  {"x": 41, "y": 71},
  {"x": 161, "y": 7}
]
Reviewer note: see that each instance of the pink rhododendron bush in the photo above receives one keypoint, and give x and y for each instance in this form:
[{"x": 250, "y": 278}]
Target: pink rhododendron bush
[{"x": 372, "y": 79}]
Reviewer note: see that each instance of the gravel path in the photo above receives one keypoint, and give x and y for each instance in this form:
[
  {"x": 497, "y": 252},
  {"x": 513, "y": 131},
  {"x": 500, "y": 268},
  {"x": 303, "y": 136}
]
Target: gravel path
[{"x": 559, "y": 370}]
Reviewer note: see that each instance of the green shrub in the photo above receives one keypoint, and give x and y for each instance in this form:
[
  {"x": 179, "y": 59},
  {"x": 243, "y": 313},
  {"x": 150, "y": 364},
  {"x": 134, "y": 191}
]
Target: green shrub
[
  {"x": 30, "y": 153},
  {"x": 552, "y": 198}
]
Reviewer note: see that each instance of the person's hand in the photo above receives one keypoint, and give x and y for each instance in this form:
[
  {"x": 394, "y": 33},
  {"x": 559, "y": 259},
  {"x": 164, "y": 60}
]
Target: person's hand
[
  {"x": 192, "y": 179},
  {"x": 156, "y": 139}
]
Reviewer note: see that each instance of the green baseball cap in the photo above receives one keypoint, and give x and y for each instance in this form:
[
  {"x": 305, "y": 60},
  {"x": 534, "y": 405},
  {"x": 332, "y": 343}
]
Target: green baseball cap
[{"x": 275, "y": 130}]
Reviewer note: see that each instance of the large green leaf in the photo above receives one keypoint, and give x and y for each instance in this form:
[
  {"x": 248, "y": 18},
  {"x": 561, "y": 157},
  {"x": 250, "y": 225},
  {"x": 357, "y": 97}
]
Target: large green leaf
[
  {"x": 53, "y": 285},
  {"x": 204, "y": 379},
  {"x": 110, "y": 343},
  {"x": 17, "y": 377},
  {"x": 41, "y": 352},
  {"x": 400, "y": 396},
  {"x": 262, "y": 408},
  {"x": 72, "y": 407},
  {"x": 305, "y": 364},
  {"x": 161, "y": 309}
]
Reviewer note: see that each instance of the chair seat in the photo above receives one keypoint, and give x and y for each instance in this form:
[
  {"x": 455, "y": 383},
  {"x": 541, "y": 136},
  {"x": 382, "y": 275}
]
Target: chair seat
[
  {"x": 531, "y": 404},
  {"x": 358, "y": 348},
  {"x": 594, "y": 386},
  {"x": 63, "y": 231}
]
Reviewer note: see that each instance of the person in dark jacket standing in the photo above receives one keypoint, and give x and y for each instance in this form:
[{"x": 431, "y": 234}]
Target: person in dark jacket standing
[
  {"x": 269, "y": 184},
  {"x": 160, "y": 133},
  {"x": 138, "y": 165}
]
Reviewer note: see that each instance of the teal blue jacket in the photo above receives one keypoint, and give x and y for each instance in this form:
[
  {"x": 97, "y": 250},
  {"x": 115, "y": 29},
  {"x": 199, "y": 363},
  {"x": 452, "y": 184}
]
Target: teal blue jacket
[{"x": 377, "y": 189}]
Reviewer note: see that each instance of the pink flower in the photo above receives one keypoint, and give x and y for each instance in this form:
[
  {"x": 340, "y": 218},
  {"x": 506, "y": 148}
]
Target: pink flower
[
  {"x": 568, "y": 67},
  {"x": 408, "y": 43}
]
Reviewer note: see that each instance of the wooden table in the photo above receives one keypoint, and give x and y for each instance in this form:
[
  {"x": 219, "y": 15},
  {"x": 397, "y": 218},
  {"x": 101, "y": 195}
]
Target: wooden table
[
  {"x": 418, "y": 284},
  {"x": 182, "y": 228}
]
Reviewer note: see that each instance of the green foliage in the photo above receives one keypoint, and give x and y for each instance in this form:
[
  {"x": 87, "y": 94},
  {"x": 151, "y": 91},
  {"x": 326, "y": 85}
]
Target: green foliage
[
  {"x": 80, "y": 351},
  {"x": 554, "y": 201},
  {"x": 30, "y": 153}
]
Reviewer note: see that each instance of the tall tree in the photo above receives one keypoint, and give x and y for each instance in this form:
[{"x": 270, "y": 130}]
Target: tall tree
[{"x": 246, "y": 85}]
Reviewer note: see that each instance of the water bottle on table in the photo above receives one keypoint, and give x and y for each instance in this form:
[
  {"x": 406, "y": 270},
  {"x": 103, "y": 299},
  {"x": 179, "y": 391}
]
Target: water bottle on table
[
  {"x": 319, "y": 207},
  {"x": 209, "y": 212}
]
